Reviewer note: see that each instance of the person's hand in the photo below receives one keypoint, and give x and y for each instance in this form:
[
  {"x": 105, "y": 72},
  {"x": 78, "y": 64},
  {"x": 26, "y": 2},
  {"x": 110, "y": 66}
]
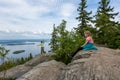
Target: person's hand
[{"x": 82, "y": 45}]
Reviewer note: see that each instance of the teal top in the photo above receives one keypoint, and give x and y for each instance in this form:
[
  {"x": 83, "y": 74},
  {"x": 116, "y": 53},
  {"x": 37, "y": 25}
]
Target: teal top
[{"x": 89, "y": 46}]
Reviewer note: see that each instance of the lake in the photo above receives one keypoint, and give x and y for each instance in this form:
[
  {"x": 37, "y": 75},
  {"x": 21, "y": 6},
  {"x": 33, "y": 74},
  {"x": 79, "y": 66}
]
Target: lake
[{"x": 29, "y": 45}]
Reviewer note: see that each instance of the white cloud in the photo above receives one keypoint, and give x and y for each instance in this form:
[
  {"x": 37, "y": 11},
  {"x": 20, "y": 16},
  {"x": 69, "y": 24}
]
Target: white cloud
[
  {"x": 67, "y": 9},
  {"x": 22, "y": 8},
  {"x": 19, "y": 15},
  {"x": 38, "y": 16},
  {"x": 23, "y": 35}
]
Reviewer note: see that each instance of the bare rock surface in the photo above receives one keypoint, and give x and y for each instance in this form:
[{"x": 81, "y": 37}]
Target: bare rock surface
[
  {"x": 19, "y": 70},
  {"x": 103, "y": 64},
  {"x": 39, "y": 59},
  {"x": 16, "y": 71},
  {"x": 44, "y": 71}
]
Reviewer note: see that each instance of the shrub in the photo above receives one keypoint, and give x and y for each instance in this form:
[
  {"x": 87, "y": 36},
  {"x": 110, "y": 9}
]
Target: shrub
[
  {"x": 65, "y": 43},
  {"x": 14, "y": 62}
]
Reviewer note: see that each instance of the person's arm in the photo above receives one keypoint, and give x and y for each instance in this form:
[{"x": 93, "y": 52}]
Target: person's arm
[
  {"x": 85, "y": 43},
  {"x": 87, "y": 40},
  {"x": 39, "y": 44}
]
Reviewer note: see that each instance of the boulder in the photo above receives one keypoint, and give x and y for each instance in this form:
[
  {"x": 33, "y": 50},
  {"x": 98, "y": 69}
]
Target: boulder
[
  {"x": 44, "y": 71},
  {"x": 39, "y": 59},
  {"x": 20, "y": 70},
  {"x": 100, "y": 65},
  {"x": 103, "y": 64},
  {"x": 16, "y": 71}
]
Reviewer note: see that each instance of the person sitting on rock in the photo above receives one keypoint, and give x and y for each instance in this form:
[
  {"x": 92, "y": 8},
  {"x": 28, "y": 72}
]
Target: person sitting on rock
[{"x": 88, "y": 45}]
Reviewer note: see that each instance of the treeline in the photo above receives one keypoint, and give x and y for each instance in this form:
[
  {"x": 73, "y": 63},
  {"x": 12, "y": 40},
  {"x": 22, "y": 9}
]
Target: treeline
[
  {"x": 106, "y": 30},
  {"x": 10, "y": 62},
  {"x": 14, "y": 62}
]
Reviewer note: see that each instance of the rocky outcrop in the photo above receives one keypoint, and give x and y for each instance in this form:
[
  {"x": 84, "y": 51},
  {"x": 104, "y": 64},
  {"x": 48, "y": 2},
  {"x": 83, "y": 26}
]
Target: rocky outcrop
[
  {"x": 18, "y": 71},
  {"x": 103, "y": 64},
  {"x": 39, "y": 59},
  {"x": 45, "y": 71}
]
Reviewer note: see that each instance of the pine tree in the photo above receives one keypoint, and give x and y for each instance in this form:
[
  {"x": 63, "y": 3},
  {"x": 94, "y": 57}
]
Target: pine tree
[
  {"x": 83, "y": 18},
  {"x": 53, "y": 42},
  {"x": 105, "y": 22},
  {"x": 62, "y": 35}
]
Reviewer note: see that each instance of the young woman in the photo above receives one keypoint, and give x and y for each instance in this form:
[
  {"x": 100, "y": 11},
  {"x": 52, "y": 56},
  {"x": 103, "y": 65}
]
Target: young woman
[{"x": 88, "y": 45}]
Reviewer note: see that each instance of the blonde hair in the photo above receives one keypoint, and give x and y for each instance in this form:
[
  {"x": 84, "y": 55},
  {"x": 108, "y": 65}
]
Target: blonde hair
[{"x": 88, "y": 33}]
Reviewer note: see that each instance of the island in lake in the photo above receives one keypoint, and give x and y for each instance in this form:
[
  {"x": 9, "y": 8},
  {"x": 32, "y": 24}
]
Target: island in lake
[{"x": 18, "y": 51}]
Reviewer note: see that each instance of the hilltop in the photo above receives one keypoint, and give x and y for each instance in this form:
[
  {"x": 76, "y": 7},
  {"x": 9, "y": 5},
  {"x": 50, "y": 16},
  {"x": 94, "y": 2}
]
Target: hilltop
[{"x": 103, "y": 64}]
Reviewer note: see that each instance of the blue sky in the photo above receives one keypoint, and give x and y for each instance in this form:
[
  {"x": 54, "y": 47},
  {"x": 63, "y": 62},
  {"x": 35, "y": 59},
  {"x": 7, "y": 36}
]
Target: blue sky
[{"x": 38, "y": 16}]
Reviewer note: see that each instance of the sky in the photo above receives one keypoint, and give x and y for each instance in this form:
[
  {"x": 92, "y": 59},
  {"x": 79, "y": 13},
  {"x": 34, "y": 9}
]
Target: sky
[{"x": 29, "y": 18}]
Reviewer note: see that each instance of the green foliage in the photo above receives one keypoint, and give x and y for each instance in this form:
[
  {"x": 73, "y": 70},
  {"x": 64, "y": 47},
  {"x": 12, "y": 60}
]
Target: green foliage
[
  {"x": 84, "y": 17},
  {"x": 107, "y": 29},
  {"x": 7, "y": 78},
  {"x": 66, "y": 41},
  {"x": 53, "y": 42},
  {"x": 3, "y": 53},
  {"x": 14, "y": 62},
  {"x": 114, "y": 40}
]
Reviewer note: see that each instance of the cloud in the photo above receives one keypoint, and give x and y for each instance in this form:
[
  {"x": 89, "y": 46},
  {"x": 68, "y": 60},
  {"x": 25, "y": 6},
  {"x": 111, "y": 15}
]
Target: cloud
[
  {"x": 23, "y": 35},
  {"x": 22, "y": 8},
  {"x": 22, "y": 16},
  {"x": 67, "y": 10},
  {"x": 37, "y": 16}
]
